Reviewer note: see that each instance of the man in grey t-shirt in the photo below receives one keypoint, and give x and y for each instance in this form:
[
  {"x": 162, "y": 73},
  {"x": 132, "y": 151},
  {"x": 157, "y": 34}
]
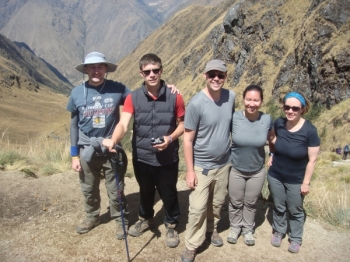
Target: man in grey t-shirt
[{"x": 207, "y": 156}]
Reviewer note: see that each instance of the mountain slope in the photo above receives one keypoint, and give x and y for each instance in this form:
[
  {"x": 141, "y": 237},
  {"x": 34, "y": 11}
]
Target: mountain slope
[
  {"x": 21, "y": 68},
  {"x": 63, "y": 31},
  {"x": 30, "y": 102},
  {"x": 281, "y": 45},
  {"x": 171, "y": 42}
]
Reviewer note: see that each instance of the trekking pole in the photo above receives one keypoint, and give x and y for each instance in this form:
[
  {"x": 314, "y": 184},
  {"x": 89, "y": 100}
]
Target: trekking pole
[{"x": 117, "y": 160}]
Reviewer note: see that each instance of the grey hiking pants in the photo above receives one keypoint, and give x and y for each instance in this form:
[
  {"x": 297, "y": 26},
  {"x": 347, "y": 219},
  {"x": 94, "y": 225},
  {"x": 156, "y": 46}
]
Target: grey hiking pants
[
  {"x": 287, "y": 196},
  {"x": 244, "y": 189},
  {"x": 90, "y": 178}
]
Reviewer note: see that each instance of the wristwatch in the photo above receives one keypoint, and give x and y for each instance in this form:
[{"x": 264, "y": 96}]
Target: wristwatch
[{"x": 270, "y": 154}]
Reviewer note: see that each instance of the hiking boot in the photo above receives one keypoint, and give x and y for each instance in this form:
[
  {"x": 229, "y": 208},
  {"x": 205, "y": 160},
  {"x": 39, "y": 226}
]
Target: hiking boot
[
  {"x": 294, "y": 247},
  {"x": 232, "y": 236},
  {"x": 172, "y": 238},
  {"x": 215, "y": 238},
  {"x": 140, "y": 227},
  {"x": 120, "y": 231},
  {"x": 87, "y": 225},
  {"x": 276, "y": 239},
  {"x": 249, "y": 239},
  {"x": 188, "y": 255}
]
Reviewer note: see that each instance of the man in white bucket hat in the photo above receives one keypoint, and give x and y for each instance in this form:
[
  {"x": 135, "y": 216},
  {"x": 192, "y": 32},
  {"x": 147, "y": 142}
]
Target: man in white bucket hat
[{"x": 94, "y": 107}]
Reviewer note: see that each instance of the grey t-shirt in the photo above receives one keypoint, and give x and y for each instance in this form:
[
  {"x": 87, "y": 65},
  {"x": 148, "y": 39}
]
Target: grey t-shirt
[
  {"x": 212, "y": 121},
  {"x": 248, "y": 141},
  {"x": 97, "y": 107}
]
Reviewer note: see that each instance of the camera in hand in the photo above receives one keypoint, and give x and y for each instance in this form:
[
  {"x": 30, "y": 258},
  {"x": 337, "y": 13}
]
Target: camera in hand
[{"x": 156, "y": 141}]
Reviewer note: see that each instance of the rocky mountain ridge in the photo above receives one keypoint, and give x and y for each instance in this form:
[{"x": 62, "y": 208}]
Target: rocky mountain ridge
[{"x": 282, "y": 45}]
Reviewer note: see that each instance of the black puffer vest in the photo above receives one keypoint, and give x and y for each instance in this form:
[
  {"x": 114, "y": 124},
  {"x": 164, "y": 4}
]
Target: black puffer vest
[{"x": 154, "y": 118}]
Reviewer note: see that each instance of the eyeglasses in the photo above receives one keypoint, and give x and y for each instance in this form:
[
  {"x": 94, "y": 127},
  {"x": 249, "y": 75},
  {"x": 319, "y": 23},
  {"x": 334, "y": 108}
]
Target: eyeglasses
[
  {"x": 213, "y": 75},
  {"x": 155, "y": 71},
  {"x": 294, "y": 108}
]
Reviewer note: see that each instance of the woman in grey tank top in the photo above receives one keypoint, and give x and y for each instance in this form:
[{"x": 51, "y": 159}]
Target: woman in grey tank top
[{"x": 250, "y": 130}]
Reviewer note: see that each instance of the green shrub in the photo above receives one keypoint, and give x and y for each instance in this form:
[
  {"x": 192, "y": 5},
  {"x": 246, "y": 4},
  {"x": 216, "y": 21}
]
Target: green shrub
[
  {"x": 10, "y": 157},
  {"x": 339, "y": 217},
  {"x": 335, "y": 157},
  {"x": 49, "y": 169},
  {"x": 314, "y": 112},
  {"x": 346, "y": 179},
  {"x": 323, "y": 133},
  {"x": 265, "y": 192},
  {"x": 273, "y": 109}
]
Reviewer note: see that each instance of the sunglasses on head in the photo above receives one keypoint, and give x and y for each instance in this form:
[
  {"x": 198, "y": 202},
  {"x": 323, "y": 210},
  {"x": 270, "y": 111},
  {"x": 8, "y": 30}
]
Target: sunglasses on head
[
  {"x": 294, "y": 108},
  {"x": 155, "y": 71},
  {"x": 213, "y": 75}
]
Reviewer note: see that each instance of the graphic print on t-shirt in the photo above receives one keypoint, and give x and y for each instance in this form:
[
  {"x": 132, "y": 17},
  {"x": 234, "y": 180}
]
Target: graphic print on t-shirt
[{"x": 99, "y": 111}]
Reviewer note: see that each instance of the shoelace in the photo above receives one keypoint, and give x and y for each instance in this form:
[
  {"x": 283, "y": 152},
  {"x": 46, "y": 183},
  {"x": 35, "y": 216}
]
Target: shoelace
[
  {"x": 294, "y": 245},
  {"x": 171, "y": 233},
  {"x": 191, "y": 252},
  {"x": 249, "y": 236},
  {"x": 138, "y": 225},
  {"x": 233, "y": 234},
  {"x": 277, "y": 236}
]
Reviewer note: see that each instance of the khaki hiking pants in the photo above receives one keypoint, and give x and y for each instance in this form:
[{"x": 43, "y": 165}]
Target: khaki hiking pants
[{"x": 205, "y": 204}]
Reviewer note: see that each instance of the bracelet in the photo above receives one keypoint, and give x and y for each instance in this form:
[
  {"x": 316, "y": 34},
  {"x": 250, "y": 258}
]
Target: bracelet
[
  {"x": 171, "y": 140},
  {"x": 75, "y": 157}
]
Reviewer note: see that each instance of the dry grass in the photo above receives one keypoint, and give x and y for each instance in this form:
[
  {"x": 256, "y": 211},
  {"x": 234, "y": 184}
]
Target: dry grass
[
  {"x": 40, "y": 157},
  {"x": 342, "y": 40},
  {"x": 334, "y": 126},
  {"x": 329, "y": 197}
]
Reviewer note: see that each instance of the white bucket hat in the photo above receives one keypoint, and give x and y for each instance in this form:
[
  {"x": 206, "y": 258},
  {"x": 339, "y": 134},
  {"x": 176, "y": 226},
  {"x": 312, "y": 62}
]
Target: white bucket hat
[{"x": 96, "y": 58}]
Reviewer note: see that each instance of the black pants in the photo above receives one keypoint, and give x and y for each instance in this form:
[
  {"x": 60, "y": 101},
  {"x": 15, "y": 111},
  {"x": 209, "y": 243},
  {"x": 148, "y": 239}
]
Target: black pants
[{"x": 164, "y": 179}]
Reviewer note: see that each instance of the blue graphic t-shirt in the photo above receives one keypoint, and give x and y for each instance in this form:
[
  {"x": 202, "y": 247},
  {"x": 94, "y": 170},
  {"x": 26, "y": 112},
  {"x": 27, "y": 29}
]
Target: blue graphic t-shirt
[{"x": 98, "y": 107}]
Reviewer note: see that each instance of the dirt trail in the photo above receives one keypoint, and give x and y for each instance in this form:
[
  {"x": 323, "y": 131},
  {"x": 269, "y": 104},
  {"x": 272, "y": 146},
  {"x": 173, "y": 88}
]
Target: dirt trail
[{"x": 38, "y": 218}]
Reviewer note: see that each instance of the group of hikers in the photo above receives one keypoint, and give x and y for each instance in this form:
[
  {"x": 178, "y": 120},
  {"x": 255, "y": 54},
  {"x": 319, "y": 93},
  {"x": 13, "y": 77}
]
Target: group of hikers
[
  {"x": 223, "y": 150},
  {"x": 345, "y": 150}
]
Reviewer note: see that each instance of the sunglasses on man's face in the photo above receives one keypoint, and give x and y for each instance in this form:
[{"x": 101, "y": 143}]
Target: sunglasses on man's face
[
  {"x": 213, "y": 75},
  {"x": 294, "y": 108},
  {"x": 155, "y": 71}
]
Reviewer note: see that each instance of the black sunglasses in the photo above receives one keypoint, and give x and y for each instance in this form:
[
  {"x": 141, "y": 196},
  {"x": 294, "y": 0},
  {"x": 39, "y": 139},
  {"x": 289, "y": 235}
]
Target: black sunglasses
[
  {"x": 213, "y": 75},
  {"x": 294, "y": 108},
  {"x": 155, "y": 71}
]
